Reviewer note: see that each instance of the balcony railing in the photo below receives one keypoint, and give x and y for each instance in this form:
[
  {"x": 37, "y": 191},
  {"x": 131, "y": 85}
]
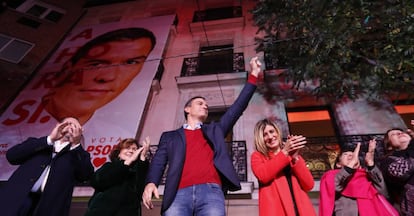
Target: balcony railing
[
  {"x": 320, "y": 152},
  {"x": 238, "y": 155},
  {"x": 237, "y": 151},
  {"x": 191, "y": 65},
  {"x": 217, "y": 13}
]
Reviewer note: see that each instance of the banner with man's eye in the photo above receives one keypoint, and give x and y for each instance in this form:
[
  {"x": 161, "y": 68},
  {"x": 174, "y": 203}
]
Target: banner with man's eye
[{"x": 100, "y": 74}]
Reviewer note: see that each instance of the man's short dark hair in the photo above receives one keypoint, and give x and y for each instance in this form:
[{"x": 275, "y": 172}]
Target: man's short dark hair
[
  {"x": 188, "y": 103},
  {"x": 125, "y": 34}
]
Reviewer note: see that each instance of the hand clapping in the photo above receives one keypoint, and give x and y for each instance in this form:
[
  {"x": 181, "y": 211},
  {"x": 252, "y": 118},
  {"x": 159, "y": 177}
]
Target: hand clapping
[
  {"x": 68, "y": 130},
  {"x": 293, "y": 144},
  {"x": 354, "y": 162},
  {"x": 369, "y": 156},
  {"x": 145, "y": 148}
]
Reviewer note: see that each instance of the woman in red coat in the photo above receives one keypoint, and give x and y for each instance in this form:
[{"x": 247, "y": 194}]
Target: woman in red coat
[{"x": 284, "y": 179}]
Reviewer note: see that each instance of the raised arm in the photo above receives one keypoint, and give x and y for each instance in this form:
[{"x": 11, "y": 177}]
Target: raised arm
[{"x": 232, "y": 114}]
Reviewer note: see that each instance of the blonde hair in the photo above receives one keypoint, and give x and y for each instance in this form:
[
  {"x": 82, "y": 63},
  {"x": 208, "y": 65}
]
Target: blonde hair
[{"x": 259, "y": 142}]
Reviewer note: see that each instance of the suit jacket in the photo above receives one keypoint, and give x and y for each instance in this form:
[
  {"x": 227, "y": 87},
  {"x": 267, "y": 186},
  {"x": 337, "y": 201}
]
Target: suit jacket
[
  {"x": 33, "y": 156},
  {"x": 118, "y": 189},
  {"x": 172, "y": 146},
  {"x": 274, "y": 194}
]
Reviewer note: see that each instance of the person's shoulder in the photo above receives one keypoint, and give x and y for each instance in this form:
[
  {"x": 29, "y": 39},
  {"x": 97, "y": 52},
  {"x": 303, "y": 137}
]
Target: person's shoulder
[
  {"x": 411, "y": 144},
  {"x": 108, "y": 164},
  {"x": 36, "y": 139},
  {"x": 172, "y": 132},
  {"x": 330, "y": 173},
  {"x": 257, "y": 154}
]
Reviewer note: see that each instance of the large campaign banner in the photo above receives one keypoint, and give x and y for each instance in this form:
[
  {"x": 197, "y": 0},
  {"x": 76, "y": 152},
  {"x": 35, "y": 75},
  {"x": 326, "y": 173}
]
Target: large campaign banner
[{"x": 100, "y": 74}]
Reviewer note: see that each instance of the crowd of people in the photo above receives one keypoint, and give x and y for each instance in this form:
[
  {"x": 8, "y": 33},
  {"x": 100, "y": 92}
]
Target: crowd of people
[{"x": 199, "y": 171}]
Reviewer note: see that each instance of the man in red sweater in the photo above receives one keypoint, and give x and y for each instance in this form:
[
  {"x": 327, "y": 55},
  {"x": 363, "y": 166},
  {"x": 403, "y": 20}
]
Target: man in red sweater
[{"x": 199, "y": 166}]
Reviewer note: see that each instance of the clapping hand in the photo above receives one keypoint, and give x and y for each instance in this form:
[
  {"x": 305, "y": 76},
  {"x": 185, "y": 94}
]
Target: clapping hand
[
  {"x": 410, "y": 131},
  {"x": 69, "y": 130},
  {"x": 293, "y": 144},
  {"x": 369, "y": 156},
  {"x": 354, "y": 162},
  {"x": 144, "y": 148}
]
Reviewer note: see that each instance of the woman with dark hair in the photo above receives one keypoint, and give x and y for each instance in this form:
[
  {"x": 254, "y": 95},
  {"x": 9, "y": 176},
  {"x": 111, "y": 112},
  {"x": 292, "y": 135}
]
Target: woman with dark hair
[
  {"x": 284, "y": 179},
  {"x": 398, "y": 167},
  {"x": 119, "y": 184}
]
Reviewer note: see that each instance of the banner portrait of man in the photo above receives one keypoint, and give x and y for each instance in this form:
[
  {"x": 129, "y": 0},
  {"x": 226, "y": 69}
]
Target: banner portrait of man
[{"x": 101, "y": 75}]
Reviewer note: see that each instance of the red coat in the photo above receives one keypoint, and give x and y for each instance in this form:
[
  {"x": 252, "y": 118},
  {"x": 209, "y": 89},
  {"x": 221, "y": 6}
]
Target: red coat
[
  {"x": 368, "y": 200},
  {"x": 274, "y": 194}
]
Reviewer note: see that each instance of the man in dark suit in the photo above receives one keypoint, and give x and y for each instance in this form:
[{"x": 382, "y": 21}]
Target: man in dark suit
[
  {"x": 199, "y": 166},
  {"x": 49, "y": 168}
]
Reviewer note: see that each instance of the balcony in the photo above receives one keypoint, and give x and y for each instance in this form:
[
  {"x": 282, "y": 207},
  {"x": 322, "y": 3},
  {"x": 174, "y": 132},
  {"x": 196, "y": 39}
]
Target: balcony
[
  {"x": 217, "y": 19},
  {"x": 217, "y": 14},
  {"x": 319, "y": 154},
  {"x": 192, "y": 66},
  {"x": 237, "y": 151}
]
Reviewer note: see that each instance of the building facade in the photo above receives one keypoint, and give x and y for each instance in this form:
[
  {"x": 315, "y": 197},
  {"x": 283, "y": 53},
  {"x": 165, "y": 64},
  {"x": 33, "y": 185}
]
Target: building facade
[{"x": 206, "y": 52}]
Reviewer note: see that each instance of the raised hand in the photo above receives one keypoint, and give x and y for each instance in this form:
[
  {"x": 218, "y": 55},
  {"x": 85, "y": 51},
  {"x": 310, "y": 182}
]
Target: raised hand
[
  {"x": 74, "y": 131},
  {"x": 59, "y": 131},
  {"x": 129, "y": 160},
  {"x": 354, "y": 162},
  {"x": 255, "y": 66},
  {"x": 410, "y": 131},
  {"x": 69, "y": 130},
  {"x": 145, "y": 148},
  {"x": 369, "y": 156}
]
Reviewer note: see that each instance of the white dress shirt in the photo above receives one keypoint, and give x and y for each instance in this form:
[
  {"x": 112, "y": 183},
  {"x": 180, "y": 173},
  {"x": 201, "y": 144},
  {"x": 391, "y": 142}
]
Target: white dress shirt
[{"x": 39, "y": 185}]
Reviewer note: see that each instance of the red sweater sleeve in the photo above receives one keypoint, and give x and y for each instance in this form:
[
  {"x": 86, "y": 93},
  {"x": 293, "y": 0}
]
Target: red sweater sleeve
[{"x": 252, "y": 79}]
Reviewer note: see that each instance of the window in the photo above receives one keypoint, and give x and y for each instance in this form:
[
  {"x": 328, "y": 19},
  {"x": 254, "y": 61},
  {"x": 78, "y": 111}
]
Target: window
[
  {"x": 217, "y": 13},
  {"x": 93, "y": 3},
  {"x": 311, "y": 123},
  {"x": 14, "y": 3},
  {"x": 13, "y": 49},
  {"x": 216, "y": 59},
  {"x": 192, "y": 66},
  {"x": 41, "y": 10},
  {"x": 406, "y": 112},
  {"x": 54, "y": 16}
]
